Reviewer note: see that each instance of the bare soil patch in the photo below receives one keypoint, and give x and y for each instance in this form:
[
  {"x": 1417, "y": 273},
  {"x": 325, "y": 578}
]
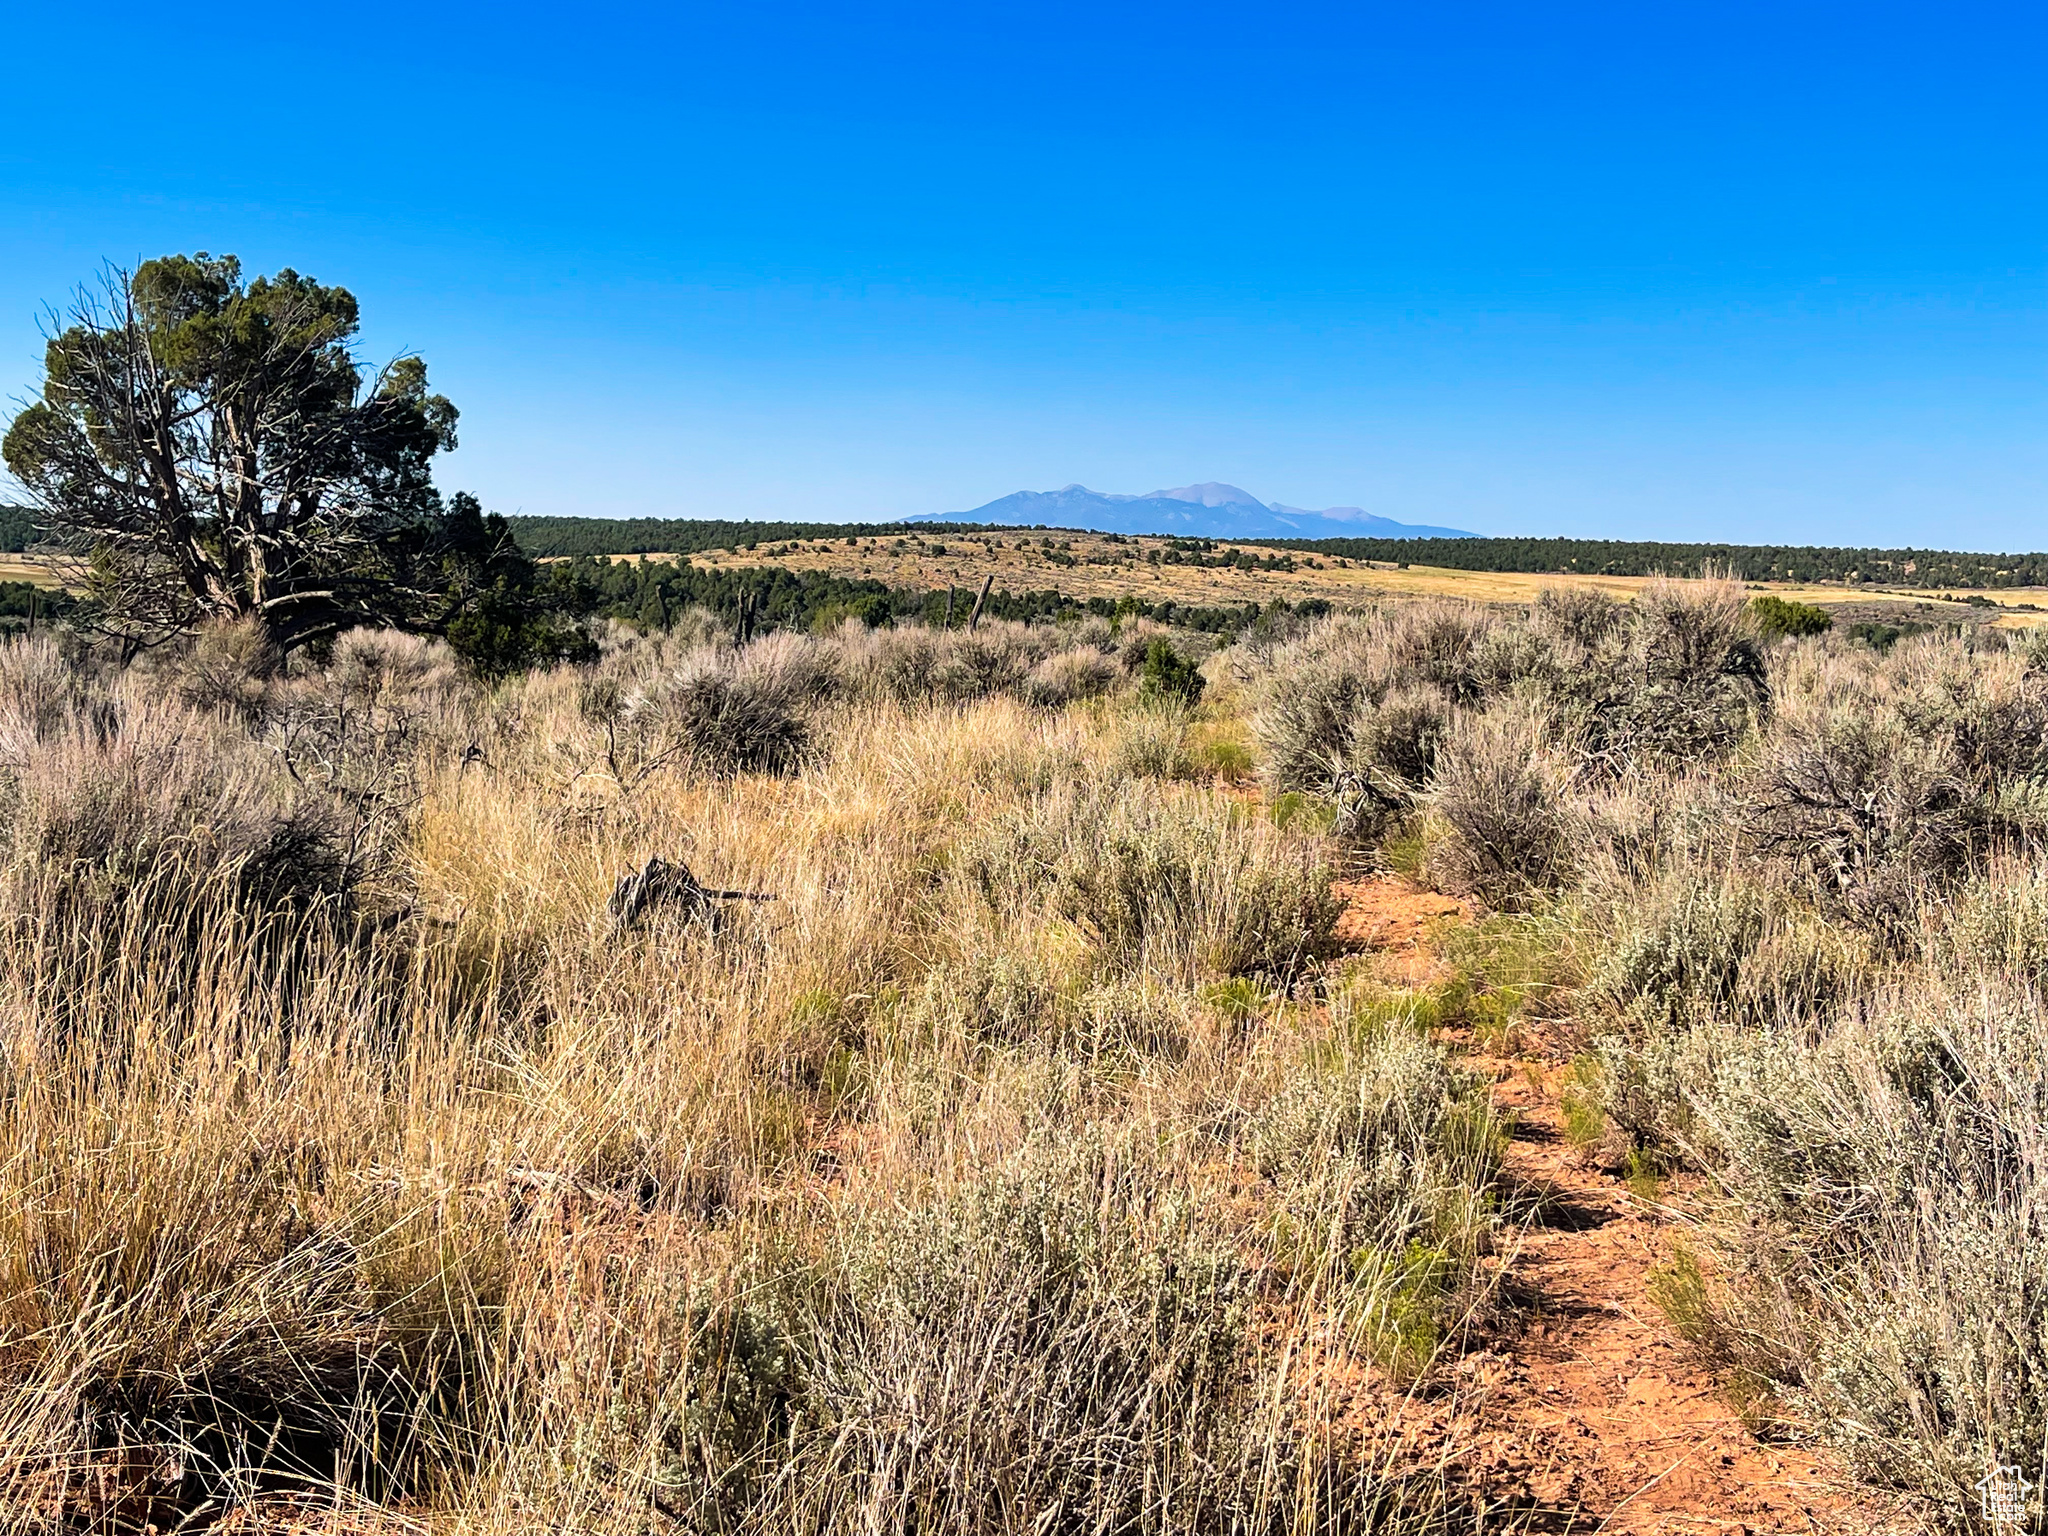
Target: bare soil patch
[{"x": 1579, "y": 1409}]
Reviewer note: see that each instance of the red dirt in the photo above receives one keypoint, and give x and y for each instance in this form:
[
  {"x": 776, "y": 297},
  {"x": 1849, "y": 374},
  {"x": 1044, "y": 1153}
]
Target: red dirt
[
  {"x": 1583, "y": 1410},
  {"x": 1395, "y": 919}
]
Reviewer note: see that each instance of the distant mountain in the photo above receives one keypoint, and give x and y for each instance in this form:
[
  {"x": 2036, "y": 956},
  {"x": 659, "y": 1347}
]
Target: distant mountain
[{"x": 1210, "y": 511}]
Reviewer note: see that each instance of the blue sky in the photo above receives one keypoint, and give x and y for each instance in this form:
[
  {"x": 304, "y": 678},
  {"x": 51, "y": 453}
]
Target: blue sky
[{"x": 1769, "y": 273}]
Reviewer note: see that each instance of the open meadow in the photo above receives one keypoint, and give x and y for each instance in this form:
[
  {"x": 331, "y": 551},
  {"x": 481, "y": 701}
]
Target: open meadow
[
  {"x": 1439, "y": 1067},
  {"x": 1156, "y": 570}
]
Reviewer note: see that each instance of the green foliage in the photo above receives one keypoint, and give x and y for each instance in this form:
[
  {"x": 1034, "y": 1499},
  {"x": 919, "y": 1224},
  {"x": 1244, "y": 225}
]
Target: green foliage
[
  {"x": 1584, "y": 1101},
  {"x": 213, "y": 446},
  {"x": 1747, "y": 562},
  {"x": 1169, "y": 674},
  {"x": 1494, "y": 1014},
  {"x": 1238, "y": 999},
  {"x": 1224, "y": 756},
  {"x": 632, "y": 590},
  {"x": 1643, "y": 1175},
  {"x": 1364, "y": 1010},
  {"x": 1611, "y": 557},
  {"x": 1776, "y": 617},
  {"x": 22, "y": 600},
  {"x": 1407, "y": 1291},
  {"x": 1679, "y": 1289},
  {"x": 553, "y": 536},
  {"x": 17, "y": 528},
  {"x": 495, "y": 611},
  {"x": 1882, "y": 637},
  {"x": 1297, "y": 809}
]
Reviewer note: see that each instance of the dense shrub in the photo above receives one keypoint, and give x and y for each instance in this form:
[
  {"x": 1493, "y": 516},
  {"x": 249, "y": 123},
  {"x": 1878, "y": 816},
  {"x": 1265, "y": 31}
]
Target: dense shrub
[
  {"x": 981, "y": 663},
  {"x": 1775, "y": 617},
  {"x": 229, "y": 666},
  {"x": 1168, "y": 674},
  {"x": 43, "y": 692},
  {"x": 361, "y": 725},
  {"x": 1390, "y": 759},
  {"x": 1040, "y": 664},
  {"x": 1178, "y": 886},
  {"x": 153, "y": 801},
  {"x": 1152, "y": 741},
  {"x": 745, "y": 710},
  {"x": 1081, "y": 673},
  {"x": 1864, "y": 809},
  {"x": 1582, "y": 622},
  {"x": 1499, "y": 792},
  {"x": 1047, "y": 1320},
  {"x": 1904, "y": 1290},
  {"x": 1308, "y": 696}
]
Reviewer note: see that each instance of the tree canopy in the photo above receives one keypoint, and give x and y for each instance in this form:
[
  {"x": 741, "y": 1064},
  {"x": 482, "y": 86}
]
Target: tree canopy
[{"x": 210, "y": 448}]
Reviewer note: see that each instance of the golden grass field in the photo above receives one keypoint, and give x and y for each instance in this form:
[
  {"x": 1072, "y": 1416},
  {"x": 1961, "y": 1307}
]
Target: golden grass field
[
  {"x": 28, "y": 568},
  {"x": 1458, "y": 1071},
  {"x": 1114, "y": 569}
]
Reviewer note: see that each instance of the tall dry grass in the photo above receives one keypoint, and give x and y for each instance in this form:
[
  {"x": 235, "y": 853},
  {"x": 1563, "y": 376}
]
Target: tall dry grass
[{"x": 1021, "y": 1166}]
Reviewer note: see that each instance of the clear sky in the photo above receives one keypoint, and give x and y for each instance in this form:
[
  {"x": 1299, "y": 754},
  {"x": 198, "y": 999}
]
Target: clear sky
[{"x": 1759, "y": 273}]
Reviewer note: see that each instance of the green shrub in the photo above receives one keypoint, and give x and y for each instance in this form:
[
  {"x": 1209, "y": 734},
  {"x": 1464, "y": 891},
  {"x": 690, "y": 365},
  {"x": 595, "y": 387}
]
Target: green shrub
[
  {"x": 1168, "y": 674},
  {"x": 1776, "y": 618},
  {"x": 1583, "y": 1102}
]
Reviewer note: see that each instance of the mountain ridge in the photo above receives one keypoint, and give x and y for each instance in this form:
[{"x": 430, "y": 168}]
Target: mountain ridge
[{"x": 1211, "y": 510}]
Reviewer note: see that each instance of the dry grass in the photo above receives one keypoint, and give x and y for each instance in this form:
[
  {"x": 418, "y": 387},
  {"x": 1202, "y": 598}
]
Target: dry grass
[
  {"x": 28, "y": 568},
  {"x": 1800, "y": 889},
  {"x": 1033, "y": 1161},
  {"x": 1007, "y": 1172},
  {"x": 1115, "y": 569}
]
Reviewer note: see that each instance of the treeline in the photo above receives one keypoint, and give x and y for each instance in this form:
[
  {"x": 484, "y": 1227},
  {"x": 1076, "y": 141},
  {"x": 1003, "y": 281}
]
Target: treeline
[
  {"x": 546, "y": 537},
  {"x": 653, "y": 594},
  {"x": 1750, "y": 562},
  {"x": 23, "y": 603},
  {"x": 17, "y": 529}
]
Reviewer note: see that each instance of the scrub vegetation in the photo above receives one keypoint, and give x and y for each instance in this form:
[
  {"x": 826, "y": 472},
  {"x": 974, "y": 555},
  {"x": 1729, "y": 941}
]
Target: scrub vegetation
[
  {"x": 1037, "y": 1158},
  {"x": 1796, "y": 888},
  {"x": 1030, "y": 1162},
  {"x": 479, "y": 1059}
]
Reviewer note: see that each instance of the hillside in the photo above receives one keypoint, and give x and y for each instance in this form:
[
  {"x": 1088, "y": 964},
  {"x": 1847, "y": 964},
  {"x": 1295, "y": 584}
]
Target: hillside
[
  {"x": 1158, "y": 575},
  {"x": 1923, "y": 570}
]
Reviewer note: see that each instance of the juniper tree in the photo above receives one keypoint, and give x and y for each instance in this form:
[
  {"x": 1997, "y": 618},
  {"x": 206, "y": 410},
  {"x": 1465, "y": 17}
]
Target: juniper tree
[{"x": 209, "y": 448}]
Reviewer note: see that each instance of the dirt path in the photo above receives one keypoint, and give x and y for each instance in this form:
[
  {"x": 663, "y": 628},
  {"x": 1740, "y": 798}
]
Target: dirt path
[{"x": 1585, "y": 1410}]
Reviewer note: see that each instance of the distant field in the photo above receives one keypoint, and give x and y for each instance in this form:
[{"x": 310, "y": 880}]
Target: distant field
[
  {"x": 1092, "y": 565},
  {"x": 23, "y": 568}
]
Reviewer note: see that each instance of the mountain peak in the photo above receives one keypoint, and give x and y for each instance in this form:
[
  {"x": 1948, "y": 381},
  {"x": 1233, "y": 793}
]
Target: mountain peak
[
  {"x": 1209, "y": 511},
  {"x": 1211, "y": 493}
]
